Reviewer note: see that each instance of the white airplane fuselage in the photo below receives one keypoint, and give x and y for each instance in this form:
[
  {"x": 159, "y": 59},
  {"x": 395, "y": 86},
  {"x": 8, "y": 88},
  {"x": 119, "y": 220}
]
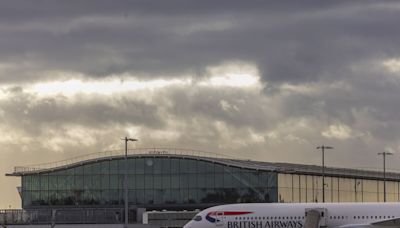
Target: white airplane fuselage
[{"x": 293, "y": 215}]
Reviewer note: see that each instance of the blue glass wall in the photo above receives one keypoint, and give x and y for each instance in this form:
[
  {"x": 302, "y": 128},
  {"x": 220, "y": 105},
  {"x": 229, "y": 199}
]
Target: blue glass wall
[{"x": 151, "y": 181}]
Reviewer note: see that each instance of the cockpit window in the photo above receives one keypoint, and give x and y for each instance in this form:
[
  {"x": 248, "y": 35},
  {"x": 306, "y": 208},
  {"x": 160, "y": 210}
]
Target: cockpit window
[{"x": 197, "y": 218}]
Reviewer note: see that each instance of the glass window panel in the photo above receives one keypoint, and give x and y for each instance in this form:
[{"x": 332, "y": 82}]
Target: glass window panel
[
  {"x": 87, "y": 169},
  {"x": 121, "y": 182},
  {"x": 62, "y": 182},
  {"x": 121, "y": 165},
  {"x": 335, "y": 189},
  {"x": 132, "y": 196},
  {"x": 44, "y": 198},
  {"x": 149, "y": 182},
  {"x": 201, "y": 180},
  {"x": 209, "y": 167},
  {"x": 253, "y": 178},
  {"x": 184, "y": 166},
  {"x": 79, "y": 182},
  {"x": 183, "y": 181},
  {"x": 210, "y": 182},
  {"x": 158, "y": 181},
  {"x": 174, "y": 181},
  {"x": 140, "y": 181},
  {"x": 228, "y": 180},
  {"x": 272, "y": 179},
  {"x": 96, "y": 181},
  {"x": 27, "y": 199},
  {"x": 167, "y": 196},
  {"x": 114, "y": 167},
  {"x": 166, "y": 181},
  {"x": 166, "y": 166},
  {"x": 131, "y": 166},
  {"x": 219, "y": 168},
  {"x": 303, "y": 188},
  {"x": 296, "y": 188},
  {"x": 140, "y": 163},
  {"x": 380, "y": 191},
  {"x": 192, "y": 166},
  {"x": 35, "y": 184},
  {"x": 158, "y": 196},
  {"x": 52, "y": 182},
  {"x": 263, "y": 180},
  {"x": 175, "y": 196},
  {"x": 149, "y": 196},
  {"x": 140, "y": 196},
  {"x": 174, "y": 165},
  {"x": 219, "y": 180},
  {"x": 192, "y": 195},
  {"x": 148, "y": 167},
  {"x": 69, "y": 171},
  {"x": 105, "y": 181},
  {"x": 391, "y": 191},
  {"x": 192, "y": 180},
  {"x": 358, "y": 190},
  {"x": 105, "y": 196},
  {"x": 105, "y": 167},
  {"x": 96, "y": 168},
  {"x": 69, "y": 182},
  {"x": 184, "y": 195},
  {"x": 317, "y": 183},
  {"x": 114, "y": 197},
  {"x": 114, "y": 184},
  {"x": 26, "y": 182},
  {"x": 370, "y": 191},
  {"x": 53, "y": 197},
  {"x": 44, "y": 183},
  {"x": 157, "y": 166},
  {"x": 131, "y": 181},
  {"x": 78, "y": 170}
]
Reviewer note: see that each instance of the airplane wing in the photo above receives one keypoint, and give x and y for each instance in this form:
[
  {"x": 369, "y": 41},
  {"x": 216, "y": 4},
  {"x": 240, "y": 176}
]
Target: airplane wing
[{"x": 390, "y": 223}]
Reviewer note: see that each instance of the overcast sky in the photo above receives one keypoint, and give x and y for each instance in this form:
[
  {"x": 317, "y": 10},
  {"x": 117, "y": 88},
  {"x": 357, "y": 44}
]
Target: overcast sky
[{"x": 262, "y": 80}]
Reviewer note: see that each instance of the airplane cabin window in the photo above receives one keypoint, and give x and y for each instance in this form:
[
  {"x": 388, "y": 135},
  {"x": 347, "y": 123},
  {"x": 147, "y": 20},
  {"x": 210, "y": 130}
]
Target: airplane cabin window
[{"x": 197, "y": 218}]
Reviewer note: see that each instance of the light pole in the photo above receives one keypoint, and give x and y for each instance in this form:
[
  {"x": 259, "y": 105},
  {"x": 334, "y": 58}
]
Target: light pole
[
  {"x": 323, "y": 148},
  {"x": 126, "y": 139},
  {"x": 384, "y": 172}
]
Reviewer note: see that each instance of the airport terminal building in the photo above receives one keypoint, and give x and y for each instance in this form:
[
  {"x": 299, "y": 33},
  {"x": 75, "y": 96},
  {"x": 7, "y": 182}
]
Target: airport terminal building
[{"x": 174, "y": 179}]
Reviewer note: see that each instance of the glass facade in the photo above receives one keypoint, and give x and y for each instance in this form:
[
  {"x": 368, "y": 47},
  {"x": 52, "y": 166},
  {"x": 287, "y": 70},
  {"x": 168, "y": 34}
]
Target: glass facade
[
  {"x": 308, "y": 188},
  {"x": 151, "y": 181}
]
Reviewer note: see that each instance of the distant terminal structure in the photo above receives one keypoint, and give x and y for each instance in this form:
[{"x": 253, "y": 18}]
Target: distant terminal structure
[{"x": 180, "y": 179}]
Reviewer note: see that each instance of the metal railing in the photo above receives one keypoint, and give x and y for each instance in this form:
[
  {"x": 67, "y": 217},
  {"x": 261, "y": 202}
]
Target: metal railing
[
  {"x": 62, "y": 216},
  {"x": 118, "y": 153}
]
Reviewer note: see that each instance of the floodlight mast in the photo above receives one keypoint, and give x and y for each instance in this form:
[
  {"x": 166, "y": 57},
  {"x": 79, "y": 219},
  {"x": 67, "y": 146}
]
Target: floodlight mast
[
  {"x": 384, "y": 172},
  {"x": 126, "y": 139},
  {"x": 323, "y": 148}
]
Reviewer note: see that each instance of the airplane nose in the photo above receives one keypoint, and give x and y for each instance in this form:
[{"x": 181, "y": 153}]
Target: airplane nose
[{"x": 188, "y": 225}]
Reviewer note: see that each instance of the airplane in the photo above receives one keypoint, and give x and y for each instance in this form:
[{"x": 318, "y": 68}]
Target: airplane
[{"x": 299, "y": 215}]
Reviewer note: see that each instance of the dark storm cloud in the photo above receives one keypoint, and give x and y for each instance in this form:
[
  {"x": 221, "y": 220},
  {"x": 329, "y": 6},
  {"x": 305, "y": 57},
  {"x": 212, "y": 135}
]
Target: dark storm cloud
[
  {"x": 296, "y": 42},
  {"x": 320, "y": 62},
  {"x": 33, "y": 114}
]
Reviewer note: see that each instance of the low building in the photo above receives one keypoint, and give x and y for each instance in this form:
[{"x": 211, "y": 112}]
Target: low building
[{"x": 172, "y": 179}]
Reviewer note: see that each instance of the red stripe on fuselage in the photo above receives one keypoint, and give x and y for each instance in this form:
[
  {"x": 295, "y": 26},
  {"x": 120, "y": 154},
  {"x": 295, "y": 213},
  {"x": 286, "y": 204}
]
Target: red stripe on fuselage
[
  {"x": 237, "y": 212},
  {"x": 228, "y": 213}
]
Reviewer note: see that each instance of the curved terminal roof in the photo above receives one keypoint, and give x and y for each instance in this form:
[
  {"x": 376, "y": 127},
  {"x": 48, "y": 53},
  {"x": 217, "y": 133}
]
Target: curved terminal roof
[{"x": 205, "y": 156}]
